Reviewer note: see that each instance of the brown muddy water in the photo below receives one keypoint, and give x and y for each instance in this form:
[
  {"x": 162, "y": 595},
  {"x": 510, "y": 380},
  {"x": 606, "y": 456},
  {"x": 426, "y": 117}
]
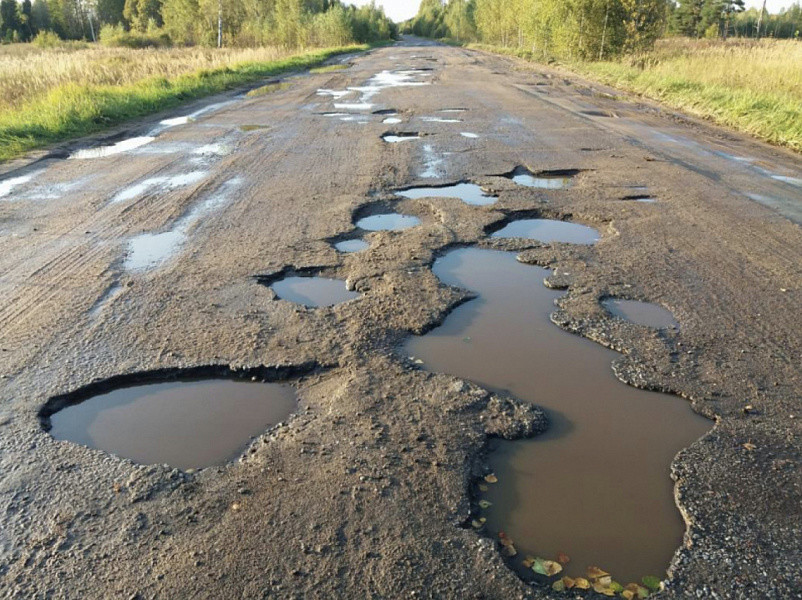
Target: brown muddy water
[
  {"x": 185, "y": 424},
  {"x": 313, "y": 291},
  {"x": 641, "y": 313},
  {"x": 549, "y": 230},
  {"x": 596, "y": 485},
  {"x": 469, "y": 193}
]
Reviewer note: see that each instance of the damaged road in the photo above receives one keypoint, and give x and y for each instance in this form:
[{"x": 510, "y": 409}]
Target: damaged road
[{"x": 151, "y": 262}]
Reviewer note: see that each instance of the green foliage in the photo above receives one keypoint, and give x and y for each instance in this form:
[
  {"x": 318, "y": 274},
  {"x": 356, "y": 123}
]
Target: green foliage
[
  {"x": 73, "y": 110},
  {"x": 116, "y": 35},
  {"x": 47, "y": 39}
]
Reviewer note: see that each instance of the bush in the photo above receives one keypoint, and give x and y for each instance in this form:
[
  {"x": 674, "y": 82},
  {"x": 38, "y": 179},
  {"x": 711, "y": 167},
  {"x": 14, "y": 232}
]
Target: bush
[
  {"x": 47, "y": 39},
  {"x": 116, "y": 35}
]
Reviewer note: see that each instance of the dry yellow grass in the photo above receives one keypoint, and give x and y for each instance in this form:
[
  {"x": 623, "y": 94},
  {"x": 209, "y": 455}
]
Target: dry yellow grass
[{"x": 28, "y": 73}]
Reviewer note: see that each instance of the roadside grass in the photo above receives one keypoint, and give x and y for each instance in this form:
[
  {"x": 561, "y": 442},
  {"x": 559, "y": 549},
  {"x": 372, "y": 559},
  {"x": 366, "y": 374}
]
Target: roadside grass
[
  {"x": 329, "y": 68},
  {"x": 270, "y": 88},
  {"x": 87, "y": 90},
  {"x": 749, "y": 85}
]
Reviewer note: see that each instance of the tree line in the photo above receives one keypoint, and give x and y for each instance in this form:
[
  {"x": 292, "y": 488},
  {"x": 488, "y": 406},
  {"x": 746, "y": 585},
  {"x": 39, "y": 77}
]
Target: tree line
[
  {"x": 288, "y": 23},
  {"x": 591, "y": 29}
]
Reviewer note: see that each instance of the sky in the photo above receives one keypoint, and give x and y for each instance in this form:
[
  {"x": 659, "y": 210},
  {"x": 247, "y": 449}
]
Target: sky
[{"x": 401, "y": 10}]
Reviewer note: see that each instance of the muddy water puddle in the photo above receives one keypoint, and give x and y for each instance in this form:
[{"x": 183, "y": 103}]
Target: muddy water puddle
[
  {"x": 313, "y": 291},
  {"x": 110, "y": 150},
  {"x": 387, "y": 222},
  {"x": 469, "y": 193},
  {"x": 394, "y": 138},
  {"x": 185, "y": 424},
  {"x": 596, "y": 485},
  {"x": 549, "y": 230},
  {"x": 351, "y": 246},
  {"x": 545, "y": 180},
  {"x": 641, "y": 313},
  {"x": 8, "y": 185}
]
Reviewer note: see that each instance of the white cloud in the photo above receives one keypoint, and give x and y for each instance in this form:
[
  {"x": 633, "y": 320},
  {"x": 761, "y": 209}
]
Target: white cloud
[{"x": 397, "y": 10}]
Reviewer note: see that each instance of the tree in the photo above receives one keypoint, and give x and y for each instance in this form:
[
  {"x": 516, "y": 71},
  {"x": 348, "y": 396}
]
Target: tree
[
  {"x": 720, "y": 13},
  {"x": 687, "y": 18},
  {"x": 110, "y": 12},
  {"x": 40, "y": 16},
  {"x": 143, "y": 14},
  {"x": 10, "y": 18}
]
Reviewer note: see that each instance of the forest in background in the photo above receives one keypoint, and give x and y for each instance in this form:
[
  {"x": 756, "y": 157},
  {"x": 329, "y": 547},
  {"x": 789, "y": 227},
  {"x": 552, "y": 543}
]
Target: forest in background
[
  {"x": 595, "y": 29},
  {"x": 238, "y": 23}
]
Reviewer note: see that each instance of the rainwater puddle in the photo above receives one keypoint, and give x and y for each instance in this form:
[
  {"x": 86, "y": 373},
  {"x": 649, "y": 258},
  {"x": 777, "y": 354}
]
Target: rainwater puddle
[
  {"x": 453, "y": 110},
  {"x": 337, "y": 94},
  {"x": 545, "y": 180},
  {"x": 469, "y": 193},
  {"x": 467, "y": 134},
  {"x": 7, "y": 185},
  {"x": 393, "y": 138},
  {"x": 597, "y": 484},
  {"x": 392, "y": 121},
  {"x": 549, "y": 230},
  {"x": 645, "y": 198},
  {"x": 185, "y": 424},
  {"x": 641, "y": 313},
  {"x": 440, "y": 120},
  {"x": 387, "y": 222},
  {"x": 313, "y": 291},
  {"x": 162, "y": 183},
  {"x": 432, "y": 163},
  {"x": 149, "y": 250},
  {"x": 351, "y": 246},
  {"x": 118, "y": 148}
]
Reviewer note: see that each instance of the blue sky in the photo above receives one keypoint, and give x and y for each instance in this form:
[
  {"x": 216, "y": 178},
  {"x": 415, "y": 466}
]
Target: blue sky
[{"x": 401, "y": 10}]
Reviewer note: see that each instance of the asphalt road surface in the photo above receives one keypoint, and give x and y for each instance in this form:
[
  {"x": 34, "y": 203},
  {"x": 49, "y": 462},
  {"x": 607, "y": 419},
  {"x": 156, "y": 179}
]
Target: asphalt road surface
[{"x": 146, "y": 257}]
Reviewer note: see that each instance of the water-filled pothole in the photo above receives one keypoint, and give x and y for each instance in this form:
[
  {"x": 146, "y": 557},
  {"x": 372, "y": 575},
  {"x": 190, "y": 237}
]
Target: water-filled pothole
[
  {"x": 470, "y": 193},
  {"x": 549, "y": 230},
  {"x": 185, "y": 424},
  {"x": 645, "y": 198},
  {"x": 597, "y": 484},
  {"x": 543, "y": 180},
  {"x": 404, "y": 136},
  {"x": 641, "y": 313},
  {"x": 312, "y": 291},
  {"x": 387, "y": 222},
  {"x": 351, "y": 246},
  {"x": 117, "y": 148}
]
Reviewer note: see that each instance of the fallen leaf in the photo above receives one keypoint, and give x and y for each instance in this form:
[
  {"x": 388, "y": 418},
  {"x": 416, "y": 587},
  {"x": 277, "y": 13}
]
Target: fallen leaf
[
  {"x": 507, "y": 545},
  {"x": 563, "y": 558},
  {"x": 595, "y": 573},
  {"x": 628, "y": 595},
  {"x": 616, "y": 587},
  {"x": 549, "y": 568},
  {"x": 652, "y": 582},
  {"x": 491, "y": 478},
  {"x": 581, "y": 583},
  {"x": 637, "y": 591},
  {"x": 750, "y": 446},
  {"x": 485, "y": 504},
  {"x": 603, "y": 589},
  {"x": 528, "y": 562},
  {"x": 568, "y": 582},
  {"x": 558, "y": 586},
  {"x": 476, "y": 524},
  {"x": 235, "y": 506},
  {"x": 483, "y": 487},
  {"x": 606, "y": 581}
]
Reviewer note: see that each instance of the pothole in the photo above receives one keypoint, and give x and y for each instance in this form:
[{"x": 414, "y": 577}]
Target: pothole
[
  {"x": 469, "y": 135},
  {"x": 312, "y": 290},
  {"x": 453, "y": 110},
  {"x": 402, "y": 136},
  {"x": 641, "y": 313},
  {"x": 549, "y": 230},
  {"x": 387, "y": 222},
  {"x": 566, "y": 491},
  {"x": 645, "y": 198},
  {"x": 392, "y": 121},
  {"x": 186, "y": 424},
  {"x": 469, "y": 193},
  {"x": 110, "y": 150},
  {"x": 440, "y": 120},
  {"x": 544, "y": 180},
  {"x": 351, "y": 246}
]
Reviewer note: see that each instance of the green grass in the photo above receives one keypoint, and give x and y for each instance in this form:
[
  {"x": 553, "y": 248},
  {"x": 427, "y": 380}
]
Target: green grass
[
  {"x": 329, "y": 68},
  {"x": 748, "y": 85},
  {"x": 270, "y": 88},
  {"x": 73, "y": 110}
]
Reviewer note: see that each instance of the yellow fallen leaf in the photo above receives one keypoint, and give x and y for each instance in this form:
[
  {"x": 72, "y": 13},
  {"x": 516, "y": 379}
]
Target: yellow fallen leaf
[
  {"x": 558, "y": 586},
  {"x": 628, "y": 595},
  {"x": 483, "y": 487},
  {"x": 606, "y": 581},
  {"x": 507, "y": 546},
  {"x": 476, "y": 524},
  {"x": 528, "y": 562},
  {"x": 568, "y": 582},
  {"x": 485, "y": 504},
  {"x": 603, "y": 589},
  {"x": 581, "y": 583},
  {"x": 637, "y": 590},
  {"x": 552, "y": 567},
  {"x": 596, "y": 572},
  {"x": 750, "y": 446},
  {"x": 491, "y": 478}
]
